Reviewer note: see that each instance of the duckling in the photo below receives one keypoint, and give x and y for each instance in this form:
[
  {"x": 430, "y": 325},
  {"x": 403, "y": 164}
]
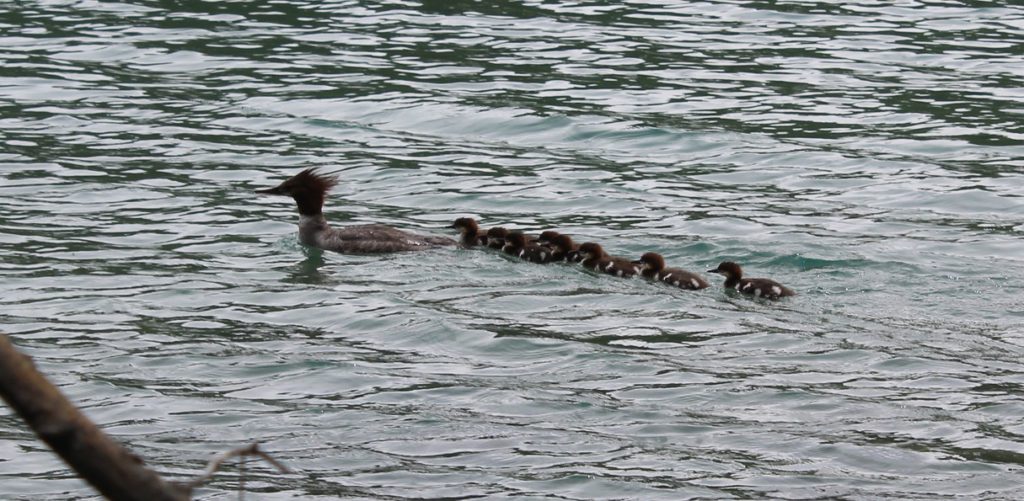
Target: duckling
[
  {"x": 595, "y": 258},
  {"x": 547, "y": 236},
  {"x": 470, "y": 231},
  {"x": 591, "y": 255},
  {"x": 562, "y": 246},
  {"x": 758, "y": 287},
  {"x": 518, "y": 245},
  {"x": 564, "y": 249},
  {"x": 652, "y": 266},
  {"x": 496, "y": 237}
]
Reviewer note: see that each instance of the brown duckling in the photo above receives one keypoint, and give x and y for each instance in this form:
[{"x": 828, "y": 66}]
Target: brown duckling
[
  {"x": 595, "y": 258},
  {"x": 496, "y": 237},
  {"x": 471, "y": 233},
  {"x": 564, "y": 249},
  {"x": 562, "y": 246},
  {"x": 517, "y": 244},
  {"x": 652, "y": 266},
  {"x": 757, "y": 287}
]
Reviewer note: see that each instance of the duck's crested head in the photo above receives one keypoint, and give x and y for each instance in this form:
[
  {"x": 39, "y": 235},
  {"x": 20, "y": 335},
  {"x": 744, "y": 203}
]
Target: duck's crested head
[
  {"x": 308, "y": 188},
  {"x": 591, "y": 249},
  {"x": 729, "y": 269},
  {"x": 548, "y": 236},
  {"x": 466, "y": 224},
  {"x": 497, "y": 232},
  {"x": 562, "y": 243},
  {"x": 307, "y": 182},
  {"x": 651, "y": 261},
  {"x": 516, "y": 238}
]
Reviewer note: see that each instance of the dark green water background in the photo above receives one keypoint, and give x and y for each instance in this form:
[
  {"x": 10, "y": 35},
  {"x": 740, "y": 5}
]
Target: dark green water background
[{"x": 868, "y": 154}]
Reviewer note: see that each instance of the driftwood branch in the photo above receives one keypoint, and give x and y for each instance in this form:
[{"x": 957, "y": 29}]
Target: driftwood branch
[{"x": 110, "y": 467}]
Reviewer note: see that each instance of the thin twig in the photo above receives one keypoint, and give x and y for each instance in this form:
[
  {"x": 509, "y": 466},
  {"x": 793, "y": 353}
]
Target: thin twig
[{"x": 250, "y": 450}]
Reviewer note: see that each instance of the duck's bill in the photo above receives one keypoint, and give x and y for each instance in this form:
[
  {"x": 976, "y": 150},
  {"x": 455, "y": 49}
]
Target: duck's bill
[{"x": 270, "y": 191}]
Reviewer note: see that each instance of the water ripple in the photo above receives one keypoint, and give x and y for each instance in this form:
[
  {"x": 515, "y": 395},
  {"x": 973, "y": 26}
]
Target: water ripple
[{"x": 867, "y": 155}]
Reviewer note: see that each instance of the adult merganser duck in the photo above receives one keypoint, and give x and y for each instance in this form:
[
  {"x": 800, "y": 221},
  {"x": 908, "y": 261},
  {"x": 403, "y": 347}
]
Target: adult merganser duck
[
  {"x": 309, "y": 188},
  {"x": 758, "y": 287},
  {"x": 470, "y": 231},
  {"x": 652, "y": 266},
  {"x": 595, "y": 258}
]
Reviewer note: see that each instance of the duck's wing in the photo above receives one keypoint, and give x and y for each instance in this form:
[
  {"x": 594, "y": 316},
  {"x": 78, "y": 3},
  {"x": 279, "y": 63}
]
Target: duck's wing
[{"x": 378, "y": 239}]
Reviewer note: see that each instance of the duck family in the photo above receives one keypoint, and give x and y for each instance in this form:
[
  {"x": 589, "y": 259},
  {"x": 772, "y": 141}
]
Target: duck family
[{"x": 309, "y": 189}]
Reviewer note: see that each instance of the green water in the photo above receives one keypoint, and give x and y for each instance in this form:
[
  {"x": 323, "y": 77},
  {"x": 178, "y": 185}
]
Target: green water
[{"x": 868, "y": 155}]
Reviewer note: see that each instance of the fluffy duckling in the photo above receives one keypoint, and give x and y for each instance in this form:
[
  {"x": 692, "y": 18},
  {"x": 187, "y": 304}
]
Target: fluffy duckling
[
  {"x": 470, "y": 231},
  {"x": 652, "y": 266},
  {"x": 516, "y": 244},
  {"x": 547, "y": 237},
  {"x": 591, "y": 255},
  {"x": 496, "y": 237},
  {"x": 595, "y": 258},
  {"x": 758, "y": 287},
  {"x": 564, "y": 249},
  {"x": 562, "y": 246}
]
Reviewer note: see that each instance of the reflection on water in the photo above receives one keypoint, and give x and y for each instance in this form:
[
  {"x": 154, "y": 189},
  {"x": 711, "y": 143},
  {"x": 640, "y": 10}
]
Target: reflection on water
[
  {"x": 867, "y": 155},
  {"x": 308, "y": 271}
]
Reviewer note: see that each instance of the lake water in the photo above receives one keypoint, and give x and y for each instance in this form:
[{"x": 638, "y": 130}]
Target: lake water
[{"x": 868, "y": 155}]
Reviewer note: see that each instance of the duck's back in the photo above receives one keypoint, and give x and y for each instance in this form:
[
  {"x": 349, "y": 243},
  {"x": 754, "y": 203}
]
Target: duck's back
[
  {"x": 763, "y": 287},
  {"x": 373, "y": 239},
  {"x": 683, "y": 279}
]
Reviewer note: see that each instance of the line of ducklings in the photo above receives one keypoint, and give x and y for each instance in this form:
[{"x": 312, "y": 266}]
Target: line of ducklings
[{"x": 552, "y": 246}]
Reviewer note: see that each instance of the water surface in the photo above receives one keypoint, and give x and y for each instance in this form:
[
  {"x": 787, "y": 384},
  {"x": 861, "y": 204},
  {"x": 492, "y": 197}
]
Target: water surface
[{"x": 867, "y": 155}]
